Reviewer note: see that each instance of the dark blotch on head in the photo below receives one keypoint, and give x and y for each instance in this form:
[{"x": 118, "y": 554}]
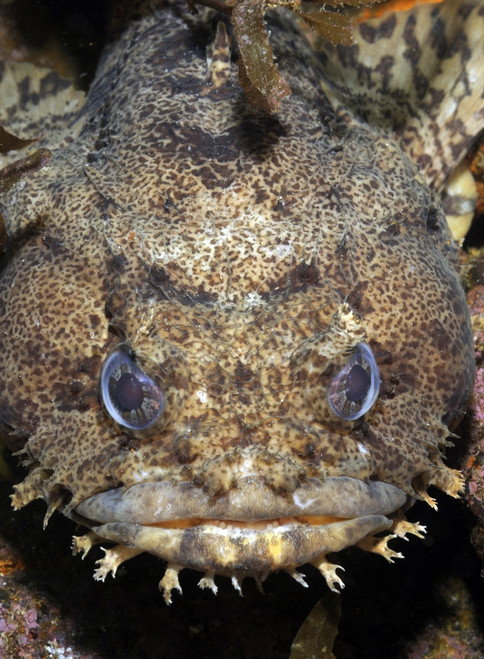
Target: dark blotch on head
[
  {"x": 307, "y": 273},
  {"x": 243, "y": 374}
]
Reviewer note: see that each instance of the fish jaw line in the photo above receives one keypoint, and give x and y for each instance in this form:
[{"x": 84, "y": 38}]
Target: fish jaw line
[
  {"x": 218, "y": 548},
  {"x": 248, "y": 531}
]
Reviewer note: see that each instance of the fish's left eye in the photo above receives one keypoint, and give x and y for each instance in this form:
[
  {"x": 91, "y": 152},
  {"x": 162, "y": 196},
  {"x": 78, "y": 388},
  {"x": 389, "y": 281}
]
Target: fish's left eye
[
  {"x": 354, "y": 390},
  {"x": 130, "y": 396}
]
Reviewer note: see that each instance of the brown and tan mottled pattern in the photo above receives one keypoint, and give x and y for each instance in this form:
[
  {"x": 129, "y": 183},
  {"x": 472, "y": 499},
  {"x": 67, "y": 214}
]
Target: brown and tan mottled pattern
[
  {"x": 425, "y": 68},
  {"x": 241, "y": 256}
]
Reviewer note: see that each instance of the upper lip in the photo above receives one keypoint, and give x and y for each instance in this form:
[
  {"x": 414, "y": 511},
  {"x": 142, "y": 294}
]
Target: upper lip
[{"x": 252, "y": 501}]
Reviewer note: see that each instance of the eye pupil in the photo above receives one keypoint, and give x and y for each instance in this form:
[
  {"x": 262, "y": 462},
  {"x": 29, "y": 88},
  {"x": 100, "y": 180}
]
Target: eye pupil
[
  {"x": 357, "y": 383},
  {"x": 129, "y": 392}
]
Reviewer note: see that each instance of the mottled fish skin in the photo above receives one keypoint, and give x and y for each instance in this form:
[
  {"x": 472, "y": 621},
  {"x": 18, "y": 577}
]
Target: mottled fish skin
[
  {"x": 425, "y": 69},
  {"x": 240, "y": 257}
]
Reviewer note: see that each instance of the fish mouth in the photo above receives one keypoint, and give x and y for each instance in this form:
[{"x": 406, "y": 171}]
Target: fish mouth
[{"x": 250, "y": 530}]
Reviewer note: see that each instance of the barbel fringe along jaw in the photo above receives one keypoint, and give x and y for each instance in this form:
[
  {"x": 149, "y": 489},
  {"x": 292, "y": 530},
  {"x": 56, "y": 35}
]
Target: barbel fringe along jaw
[{"x": 116, "y": 556}]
